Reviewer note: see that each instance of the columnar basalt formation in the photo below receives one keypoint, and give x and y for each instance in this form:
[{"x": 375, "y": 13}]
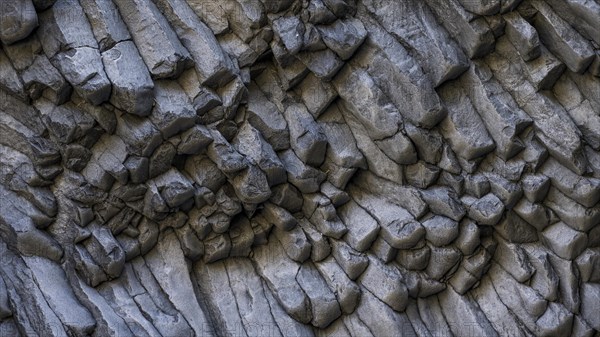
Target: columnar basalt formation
[{"x": 300, "y": 168}]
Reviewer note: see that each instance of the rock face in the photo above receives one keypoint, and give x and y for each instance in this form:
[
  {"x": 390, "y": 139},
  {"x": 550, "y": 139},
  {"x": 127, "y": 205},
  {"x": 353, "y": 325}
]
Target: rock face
[{"x": 299, "y": 168}]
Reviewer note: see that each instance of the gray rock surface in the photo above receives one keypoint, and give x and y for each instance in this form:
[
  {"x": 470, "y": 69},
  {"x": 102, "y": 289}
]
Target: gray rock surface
[
  {"x": 19, "y": 19},
  {"x": 299, "y": 168}
]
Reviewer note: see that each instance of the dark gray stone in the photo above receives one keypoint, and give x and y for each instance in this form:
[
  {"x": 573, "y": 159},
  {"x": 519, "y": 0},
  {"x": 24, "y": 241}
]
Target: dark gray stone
[{"x": 18, "y": 20}]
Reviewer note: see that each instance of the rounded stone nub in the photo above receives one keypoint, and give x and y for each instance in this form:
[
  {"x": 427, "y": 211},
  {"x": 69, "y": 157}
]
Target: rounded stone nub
[{"x": 17, "y": 20}]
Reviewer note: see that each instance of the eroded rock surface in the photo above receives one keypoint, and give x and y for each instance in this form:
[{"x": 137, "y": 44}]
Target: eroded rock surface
[{"x": 299, "y": 168}]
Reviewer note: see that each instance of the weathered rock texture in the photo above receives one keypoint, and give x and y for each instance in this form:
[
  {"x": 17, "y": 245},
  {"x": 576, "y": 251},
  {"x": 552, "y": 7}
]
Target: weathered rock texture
[{"x": 299, "y": 168}]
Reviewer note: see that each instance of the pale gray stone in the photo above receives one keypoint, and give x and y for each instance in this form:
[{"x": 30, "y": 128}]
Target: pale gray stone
[
  {"x": 415, "y": 98},
  {"x": 167, "y": 263},
  {"x": 341, "y": 149},
  {"x": 422, "y": 175},
  {"x": 74, "y": 51},
  {"x": 498, "y": 110},
  {"x": 443, "y": 57},
  {"x": 9, "y": 79},
  {"x": 373, "y": 312},
  {"x": 487, "y": 210},
  {"x": 21, "y": 233},
  {"x": 535, "y": 214},
  {"x": 279, "y": 216},
  {"x": 344, "y": 36},
  {"x": 290, "y": 31},
  {"x": 545, "y": 280},
  {"x": 428, "y": 143},
  {"x": 294, "y": 243},
  {"x": 590, "y": 293},
  {"x": 376, "y": 160},
  {"x": 131, "y": 82},
  {"x": 440, "y": 231},
  {"x": 463, "y": 127},
  {"x": 444, "y": 201},
  {"x": 564, "y": 240},
  {"x": 362, "y": 227},
  {"x": 266, "y": 117},
  {"x": 213, "y": 65},
  {"x": 514, "y": 229},
  {"x": 399, "y": 148},
  {"x": 323, "y": 63},
  {"x": 535, "y": 187},
  {"x": 522, "y": 35},
  {"x": 505, "y": 190},
  {"x": 319, "y": 13},
  {"x": 567, "y": 148},
  {"x": 472, "y": 33},
  {"x": 287, "y": 196},
  {"x": 414, "y": 259},
  {"x": 280, "y": 276},
  {"x": 160, "y": 161},
  {"x": 322, "y": 214},
  {"x": 367, "y": 102},
  {"x": 441, "y": 261},
  {"x": 58, "y": 292},
  {"x": 107, "y": 25},
  {"x": 459, "y": 309},
  {"x": 224, "y": 155},
  {"x": 320, "y": 244},
  {"x": 306, "y": 178},
  {"x": 562, "y": 39},
  {"x": 250, "y": 143},
  {"x": 514, "y": 260},
  {"x": 324, "y": 305},
  {"x": 195, "y": 140},
  {"x": 352, "y": 262},
  {"x": 572, "y": 213},
  {"x": 544, "y": 71},
  {"x": 583, "y": 190},
  {"x": 307, "y": 139},
  {"x": 160, "y": 47},
  {"x": 106, "y": 251},
  {"x": 204, "y": 172},
  {"x": 316, "y": 94},
  {"x": 385, "y": 283}
]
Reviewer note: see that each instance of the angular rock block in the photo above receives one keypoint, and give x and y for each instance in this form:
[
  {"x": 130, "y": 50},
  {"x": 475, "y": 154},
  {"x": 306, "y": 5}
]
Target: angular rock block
[{"x": 158, "y": 44}]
